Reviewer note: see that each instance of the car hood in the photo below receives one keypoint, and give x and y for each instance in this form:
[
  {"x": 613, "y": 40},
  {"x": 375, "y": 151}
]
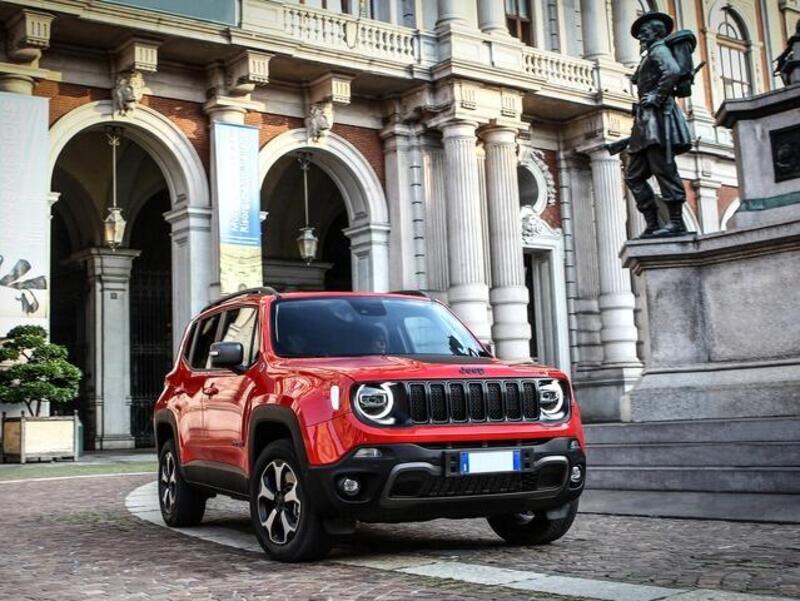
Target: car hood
[{"x": 382, "y": 368}]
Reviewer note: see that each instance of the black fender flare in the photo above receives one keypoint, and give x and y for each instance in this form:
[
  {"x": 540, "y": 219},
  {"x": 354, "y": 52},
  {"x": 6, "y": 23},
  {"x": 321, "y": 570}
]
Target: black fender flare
[
  {"x": 165, "y": 416},
  {"x": 276, "y": 414}
]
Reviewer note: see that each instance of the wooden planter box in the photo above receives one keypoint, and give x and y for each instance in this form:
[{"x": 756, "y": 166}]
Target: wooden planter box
[{"x": 37, "y": 438}]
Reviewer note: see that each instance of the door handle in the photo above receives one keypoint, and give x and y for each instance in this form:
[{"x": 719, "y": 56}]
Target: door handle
[{"x": 211, "y": 390}]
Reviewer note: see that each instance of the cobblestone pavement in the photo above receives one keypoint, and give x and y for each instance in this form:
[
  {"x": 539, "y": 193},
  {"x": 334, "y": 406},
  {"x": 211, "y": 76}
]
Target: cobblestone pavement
[{"x": 74, "y": 539}]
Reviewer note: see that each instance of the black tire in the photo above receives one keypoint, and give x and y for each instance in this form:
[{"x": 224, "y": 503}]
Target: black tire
[
  {"x": 533, "y": 528},
  {"x": 181, "y": 504},
  {"x": 280, "y": 472}
]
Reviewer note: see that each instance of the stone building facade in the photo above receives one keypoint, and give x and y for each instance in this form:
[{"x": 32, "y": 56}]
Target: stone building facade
[{"x": 456, "y": 147}]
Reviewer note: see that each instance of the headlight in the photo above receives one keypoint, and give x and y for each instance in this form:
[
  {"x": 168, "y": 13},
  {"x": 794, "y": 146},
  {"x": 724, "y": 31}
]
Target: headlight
[
  {"x": 552, "y": 401},
  {"x": 375, "y": 402}
]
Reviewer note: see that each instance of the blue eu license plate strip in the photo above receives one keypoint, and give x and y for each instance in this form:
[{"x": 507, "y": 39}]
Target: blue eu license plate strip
[{"x": 490, "y": 462}]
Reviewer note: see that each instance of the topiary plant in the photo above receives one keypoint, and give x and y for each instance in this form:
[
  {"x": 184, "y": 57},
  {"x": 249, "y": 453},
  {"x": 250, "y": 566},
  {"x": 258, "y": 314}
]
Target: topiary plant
[{"x": 33, "y": 370}]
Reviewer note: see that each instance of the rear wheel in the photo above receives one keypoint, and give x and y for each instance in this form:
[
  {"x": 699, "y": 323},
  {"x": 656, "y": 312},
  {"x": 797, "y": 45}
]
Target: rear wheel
[
  {"x": 285, "y": 523},
  {"x": 534, "y": 528},
  {"x": 181, "y": 504}
]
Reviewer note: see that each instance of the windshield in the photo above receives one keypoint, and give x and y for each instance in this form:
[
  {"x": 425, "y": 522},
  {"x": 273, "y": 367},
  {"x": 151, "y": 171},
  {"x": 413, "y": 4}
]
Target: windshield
[{"x": 355, "y": 326}]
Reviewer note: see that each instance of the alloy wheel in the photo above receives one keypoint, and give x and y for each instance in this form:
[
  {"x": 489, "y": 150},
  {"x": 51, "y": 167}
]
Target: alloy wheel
[
  {"x": 278, "y": 504},
  {"x": 168, "y": 481}
]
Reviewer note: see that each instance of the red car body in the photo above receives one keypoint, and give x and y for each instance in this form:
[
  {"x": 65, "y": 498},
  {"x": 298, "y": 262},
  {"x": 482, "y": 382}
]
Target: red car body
[{"x": 220, "y": 419}]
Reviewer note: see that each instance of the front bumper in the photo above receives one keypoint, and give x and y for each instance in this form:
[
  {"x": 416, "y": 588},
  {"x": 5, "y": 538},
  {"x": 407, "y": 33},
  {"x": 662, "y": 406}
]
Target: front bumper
[{"x": 411, "y": 482}]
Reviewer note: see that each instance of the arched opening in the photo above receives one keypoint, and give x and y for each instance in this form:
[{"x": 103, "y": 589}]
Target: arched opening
[
  {"x": 343, "y": 190},
  {"x": 96, "y": 291},
  {"x": 733, "y": 45},
  {"x": 282, "y": 198}
]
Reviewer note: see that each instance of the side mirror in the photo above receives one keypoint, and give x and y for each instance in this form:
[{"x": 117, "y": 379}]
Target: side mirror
[{"x": 227, "y": 355}]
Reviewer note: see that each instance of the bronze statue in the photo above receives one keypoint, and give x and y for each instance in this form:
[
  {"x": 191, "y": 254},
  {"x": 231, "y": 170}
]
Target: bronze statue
[
  {"x": 787, "y": 65},
  {"x": 659, "y": 129}
]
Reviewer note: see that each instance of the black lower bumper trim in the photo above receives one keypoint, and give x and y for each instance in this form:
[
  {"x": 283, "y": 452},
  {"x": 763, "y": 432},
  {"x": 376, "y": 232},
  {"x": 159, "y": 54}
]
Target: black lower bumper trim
[{"x": 413, "y": 482}]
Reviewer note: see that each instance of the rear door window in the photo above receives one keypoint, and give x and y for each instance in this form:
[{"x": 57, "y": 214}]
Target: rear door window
[
  {"x": 205, "y": 336},
  {"x": 240, "y": 326}
]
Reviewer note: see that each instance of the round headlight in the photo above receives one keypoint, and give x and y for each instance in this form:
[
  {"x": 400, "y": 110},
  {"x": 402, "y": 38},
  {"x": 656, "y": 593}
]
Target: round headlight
[
  {"x": 551, "y": 400},
  {"x": 375, "y": 402}
]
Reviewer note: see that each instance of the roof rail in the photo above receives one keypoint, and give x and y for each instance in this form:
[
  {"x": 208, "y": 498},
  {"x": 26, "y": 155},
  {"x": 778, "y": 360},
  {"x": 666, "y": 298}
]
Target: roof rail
[
  {"x": 265, "y": 290},
  {"x": 421, "y": 293}
]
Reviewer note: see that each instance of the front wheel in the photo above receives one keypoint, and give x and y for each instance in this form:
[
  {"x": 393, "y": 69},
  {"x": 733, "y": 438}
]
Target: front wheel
[
  {"x": 285, "y": 523},
  {"x": 533, "y": 528}
]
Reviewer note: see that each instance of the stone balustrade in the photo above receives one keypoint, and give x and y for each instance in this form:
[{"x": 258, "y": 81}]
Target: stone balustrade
[{"x": 560, "y": 70}]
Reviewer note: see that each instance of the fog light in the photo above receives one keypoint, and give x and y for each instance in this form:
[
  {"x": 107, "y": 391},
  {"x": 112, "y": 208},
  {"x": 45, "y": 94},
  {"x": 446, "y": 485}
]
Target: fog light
[
  {"x": 368, "y": 453},
  {"x": 574, "y": 445},
  {"x": 349, "y": 486},
  {"x": 576, "y": 475}
]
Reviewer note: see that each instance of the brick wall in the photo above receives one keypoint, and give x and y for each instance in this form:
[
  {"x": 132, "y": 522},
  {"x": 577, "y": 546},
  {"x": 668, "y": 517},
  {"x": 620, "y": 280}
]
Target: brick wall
[
  {"x": 65, "y": 97},
  {"x": 190, "y": 119},
  {"x": 725, "y": 196}
]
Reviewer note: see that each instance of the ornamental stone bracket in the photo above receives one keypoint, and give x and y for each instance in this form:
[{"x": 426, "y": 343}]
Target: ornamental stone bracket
[
  {"x": 132, "y": 59},
  {"x": 323, "y": 94},
  {"x": 592, "y": 131},
  {"x": 459, "y": 100},
  {"x": 28, "y": 34},
  {"x": 239, "y": 76},
  {"x": 534, "y": 228}
]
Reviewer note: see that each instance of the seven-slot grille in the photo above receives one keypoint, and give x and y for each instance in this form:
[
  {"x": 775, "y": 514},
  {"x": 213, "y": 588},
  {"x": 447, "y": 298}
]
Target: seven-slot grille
[{"x": 442, "y": 402}]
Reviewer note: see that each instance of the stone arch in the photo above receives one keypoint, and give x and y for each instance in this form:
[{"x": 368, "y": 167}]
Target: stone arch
[
  {"x": 193, "y": 266},
  {"x": 361, "y": 191},
  {"x": 728, "y": 214}
]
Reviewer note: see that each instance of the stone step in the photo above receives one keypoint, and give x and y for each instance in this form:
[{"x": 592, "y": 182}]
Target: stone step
[
  {"x": 769, "y": 429},
  {"x": 699, "y": 505},
  {"x": 728, "y": 454},
  {"x": 777, "y": 480}
]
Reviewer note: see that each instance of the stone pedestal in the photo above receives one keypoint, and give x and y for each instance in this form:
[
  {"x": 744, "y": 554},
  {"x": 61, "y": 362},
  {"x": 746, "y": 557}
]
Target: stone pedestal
[
  {"x": 724, "y": 335},
  {"x": 109, "y": 360}
]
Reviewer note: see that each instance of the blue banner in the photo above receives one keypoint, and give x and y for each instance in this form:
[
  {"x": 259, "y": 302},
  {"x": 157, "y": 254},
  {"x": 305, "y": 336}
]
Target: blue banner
[{"x": 237, "y": 190}]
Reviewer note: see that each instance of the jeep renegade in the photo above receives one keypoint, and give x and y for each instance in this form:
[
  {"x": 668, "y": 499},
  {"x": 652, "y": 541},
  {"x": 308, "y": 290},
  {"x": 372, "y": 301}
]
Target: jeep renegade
[{"x": 322, "y": 409}]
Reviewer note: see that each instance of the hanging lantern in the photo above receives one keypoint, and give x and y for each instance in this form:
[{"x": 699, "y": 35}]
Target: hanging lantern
[
  {"x": 307, "y": 242},
  {"x": 114, "y": 224},
  {"x": 114, "y": 227}
]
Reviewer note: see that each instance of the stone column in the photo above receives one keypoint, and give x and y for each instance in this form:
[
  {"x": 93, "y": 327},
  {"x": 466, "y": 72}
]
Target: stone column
[
  {"x": 396, "y": 140},
  {"x": 492, "y": 17},
  {"x": 707, "y": 208},
  {"x": 193, "y": 271},
  {"x": 468, "y": 293},
  {"x": 436, "y": 262},
  {"x": 109, "y": 359},
  {"x": 617, "y": 303},
  {"x": 509, "y": 296},
  {"x": 452, "y": 12},
  {"x": 626, "y": 47},
  {"x": 596, "y": 38}
]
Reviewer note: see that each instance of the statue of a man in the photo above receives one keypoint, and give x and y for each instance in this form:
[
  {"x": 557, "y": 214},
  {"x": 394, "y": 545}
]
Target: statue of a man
[{"x": 659, "y": 130}]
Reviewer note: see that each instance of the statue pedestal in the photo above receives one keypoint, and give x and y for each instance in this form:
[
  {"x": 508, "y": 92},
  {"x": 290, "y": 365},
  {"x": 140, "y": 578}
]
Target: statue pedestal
[{"x": 723, "y": 323}]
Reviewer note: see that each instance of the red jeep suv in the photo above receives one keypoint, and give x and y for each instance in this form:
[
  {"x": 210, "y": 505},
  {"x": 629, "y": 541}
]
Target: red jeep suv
[{"x": 325, "y": 408}]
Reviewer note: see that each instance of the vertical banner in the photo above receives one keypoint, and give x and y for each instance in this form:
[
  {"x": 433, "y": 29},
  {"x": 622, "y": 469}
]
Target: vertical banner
[
  {"x": 24, "y": 212},
  {"x": 238, "y": 197}
]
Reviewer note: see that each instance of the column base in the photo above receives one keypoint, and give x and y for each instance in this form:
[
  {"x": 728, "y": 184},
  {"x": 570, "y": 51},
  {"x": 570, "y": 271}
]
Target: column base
[
  {"x": 602, "y": 392},
  {"x": 511, "y": 331},
  {"x": 469, "y": 302},
  {"x": 114, "y": 442}
]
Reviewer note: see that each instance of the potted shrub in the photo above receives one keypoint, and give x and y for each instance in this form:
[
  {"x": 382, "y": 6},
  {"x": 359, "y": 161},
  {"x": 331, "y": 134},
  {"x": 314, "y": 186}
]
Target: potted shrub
[{"x": 34, "y": 371}]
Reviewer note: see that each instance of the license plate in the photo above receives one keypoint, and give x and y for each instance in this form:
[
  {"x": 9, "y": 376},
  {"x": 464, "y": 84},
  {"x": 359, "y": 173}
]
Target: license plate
[{"x": 490, "y": 462}]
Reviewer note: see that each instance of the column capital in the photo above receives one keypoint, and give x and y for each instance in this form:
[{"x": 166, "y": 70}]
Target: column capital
[
  {"x": 106, "y": 264},
  {"x": 499, "y": 134},
  {"x": 458, "y": 128}
]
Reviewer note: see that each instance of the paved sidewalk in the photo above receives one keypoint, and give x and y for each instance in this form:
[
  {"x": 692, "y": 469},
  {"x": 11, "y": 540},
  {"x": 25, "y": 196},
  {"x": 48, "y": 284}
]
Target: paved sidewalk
[{"x": 74, "y": 539}]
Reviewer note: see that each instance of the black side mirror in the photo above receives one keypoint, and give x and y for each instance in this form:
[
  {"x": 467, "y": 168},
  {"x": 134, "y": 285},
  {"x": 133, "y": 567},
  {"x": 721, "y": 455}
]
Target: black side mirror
[{"x": 227, "y": 355}]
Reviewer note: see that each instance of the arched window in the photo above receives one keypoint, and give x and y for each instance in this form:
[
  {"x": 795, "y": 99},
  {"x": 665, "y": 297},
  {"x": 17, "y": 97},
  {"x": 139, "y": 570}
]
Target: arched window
[{"x": 734, "y": 55}]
